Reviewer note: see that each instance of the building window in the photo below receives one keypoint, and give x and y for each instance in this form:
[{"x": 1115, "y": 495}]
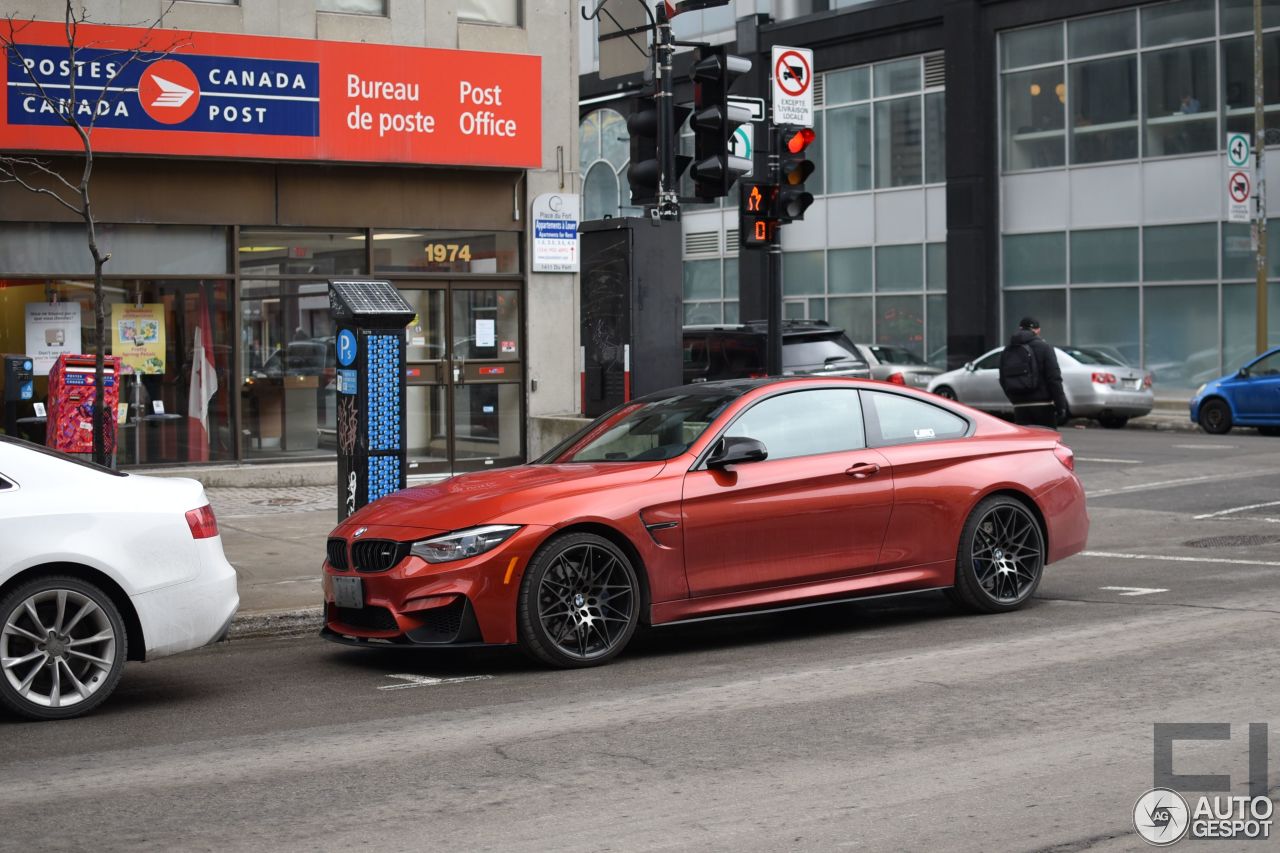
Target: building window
[
  {"x": 604, "y": 152},
  {"x": 353, "y": 7},
  {"x": 1105, "y": 255},
  {"x": 1180, "y": 252},
  {"x": 1184, "y": 77},
  {"x": 1034, "y": 259},
  {"x": 503, "y": 12},
  {"x": 849, "y": 271}
]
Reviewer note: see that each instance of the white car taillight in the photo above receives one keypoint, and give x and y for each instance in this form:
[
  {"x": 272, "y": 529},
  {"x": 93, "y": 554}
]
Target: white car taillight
[{"x": 202, "y": 523}]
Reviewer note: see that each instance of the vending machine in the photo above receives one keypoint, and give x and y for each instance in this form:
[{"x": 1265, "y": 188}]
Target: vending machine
[{"x": 71, "y": 392}]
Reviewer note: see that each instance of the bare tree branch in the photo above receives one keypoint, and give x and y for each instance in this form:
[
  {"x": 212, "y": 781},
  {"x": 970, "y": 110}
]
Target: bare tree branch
[{"x": 15, "y": 178}]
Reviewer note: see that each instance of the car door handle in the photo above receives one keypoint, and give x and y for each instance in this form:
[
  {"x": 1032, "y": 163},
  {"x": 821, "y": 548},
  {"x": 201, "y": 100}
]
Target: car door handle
[{"x": 862, "y": 470}]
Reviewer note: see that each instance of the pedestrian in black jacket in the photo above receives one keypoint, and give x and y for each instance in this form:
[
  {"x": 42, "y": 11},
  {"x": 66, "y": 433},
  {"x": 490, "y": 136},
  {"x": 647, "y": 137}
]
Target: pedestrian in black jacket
[{"x": 1046, "y": 403}]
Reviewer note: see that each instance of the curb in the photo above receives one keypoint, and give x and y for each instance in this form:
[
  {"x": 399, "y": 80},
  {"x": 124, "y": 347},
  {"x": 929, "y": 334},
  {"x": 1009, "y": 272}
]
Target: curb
[{"x": 300, "y": 622}]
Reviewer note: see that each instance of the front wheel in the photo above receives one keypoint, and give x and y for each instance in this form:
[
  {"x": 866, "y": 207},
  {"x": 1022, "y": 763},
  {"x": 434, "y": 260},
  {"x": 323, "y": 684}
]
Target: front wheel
[
  {"x": 579, "y": 602},
  {"x": 62, "y": 648},
  {"x": 946, "y": 391},
  {"x": 1113, "y": 421},
  {"x": 1215, "y": 417},
  {"x": 1001, "y": 557}
]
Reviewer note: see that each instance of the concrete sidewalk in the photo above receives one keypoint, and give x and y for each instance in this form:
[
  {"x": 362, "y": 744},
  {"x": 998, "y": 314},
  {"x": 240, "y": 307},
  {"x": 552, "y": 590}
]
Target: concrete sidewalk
[{"x": 274, "y": 533}]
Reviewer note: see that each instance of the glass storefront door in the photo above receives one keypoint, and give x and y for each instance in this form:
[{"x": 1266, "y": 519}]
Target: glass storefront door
[{"x": 465, "y": 357}]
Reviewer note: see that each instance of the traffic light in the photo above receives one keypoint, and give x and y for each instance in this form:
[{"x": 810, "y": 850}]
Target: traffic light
[
  {"x": 645, "y": 167},
  {"x": 757, "y": 214},
  {"x": 794, "y": 168},
  {"x": 714, "y": 120}
]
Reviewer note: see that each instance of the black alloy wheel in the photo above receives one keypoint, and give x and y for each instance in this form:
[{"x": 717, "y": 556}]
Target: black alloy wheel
[
  {"x": 62, "y": 648},
  {"x": 946, "y": 392},
  {"x": 1001, "y": 557},
  {"x": 1215, "y": 417},
  {"x": 579, "y": 602}
]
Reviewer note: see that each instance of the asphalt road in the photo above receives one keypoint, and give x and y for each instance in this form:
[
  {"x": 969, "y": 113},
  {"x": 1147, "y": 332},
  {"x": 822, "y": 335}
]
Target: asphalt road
[{"x": 890, "y": 725}]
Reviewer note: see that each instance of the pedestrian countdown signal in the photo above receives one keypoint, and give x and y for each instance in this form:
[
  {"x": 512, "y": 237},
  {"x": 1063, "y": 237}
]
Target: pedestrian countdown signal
[{"x": 757, "y": 214}]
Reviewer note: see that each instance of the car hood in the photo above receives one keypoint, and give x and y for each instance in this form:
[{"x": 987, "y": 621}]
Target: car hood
[{"x": 483, "y": 496}]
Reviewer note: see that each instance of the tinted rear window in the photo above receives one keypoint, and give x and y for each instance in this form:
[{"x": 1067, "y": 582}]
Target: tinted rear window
[
  {"x": 824, "y": 349},
  {"x": 896, "y": 355},
  {"x": 1092, "y": 356}
]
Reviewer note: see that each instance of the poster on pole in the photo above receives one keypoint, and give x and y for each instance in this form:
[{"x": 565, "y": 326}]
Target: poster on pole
[
  {"x": 137, "y": 336},
  {"x": 792, "y": 73},
  {"x": 53, "y": 329}
]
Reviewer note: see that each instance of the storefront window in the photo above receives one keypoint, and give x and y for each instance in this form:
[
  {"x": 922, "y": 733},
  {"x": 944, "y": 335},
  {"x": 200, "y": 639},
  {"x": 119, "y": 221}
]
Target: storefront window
[
  {"x": 61, "y": 249},
  {"x": 456, "y": 252},
  {"x": 1104, "y": 110},
  {"x": 314, "y": 253},
  {"x": 1105, "y": 255},
  {"x": 486, "y": 325},
  {"x": 1181, "y": 100}
]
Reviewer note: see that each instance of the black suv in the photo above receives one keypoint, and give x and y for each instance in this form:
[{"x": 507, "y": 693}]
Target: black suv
[{"x": 809, "y": 347}]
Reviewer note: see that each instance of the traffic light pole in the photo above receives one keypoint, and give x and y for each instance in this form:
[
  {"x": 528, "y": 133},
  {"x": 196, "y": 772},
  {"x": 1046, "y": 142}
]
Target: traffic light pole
[
  {"x": 668, "y": 184},
  {"x": 773, "y": 273}
]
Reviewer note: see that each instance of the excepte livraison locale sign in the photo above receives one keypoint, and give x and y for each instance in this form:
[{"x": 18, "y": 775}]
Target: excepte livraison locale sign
[{"x": 236, "y": 96}]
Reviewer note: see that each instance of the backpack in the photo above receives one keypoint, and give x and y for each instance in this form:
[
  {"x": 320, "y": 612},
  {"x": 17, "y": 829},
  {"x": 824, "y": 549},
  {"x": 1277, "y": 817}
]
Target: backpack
[{"x": 1019, "y": 372}]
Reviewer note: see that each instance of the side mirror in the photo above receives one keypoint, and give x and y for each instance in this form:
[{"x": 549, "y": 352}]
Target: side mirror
[
  {"x": 736, "y": 450},
  {"x": 1242, "y": 373},
  {"x": 968, "y": 365}
]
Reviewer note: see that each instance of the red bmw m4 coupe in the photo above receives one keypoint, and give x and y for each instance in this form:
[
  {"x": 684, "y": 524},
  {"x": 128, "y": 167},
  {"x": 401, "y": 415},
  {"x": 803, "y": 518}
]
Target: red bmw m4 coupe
[{"x": 709, "y": 500}]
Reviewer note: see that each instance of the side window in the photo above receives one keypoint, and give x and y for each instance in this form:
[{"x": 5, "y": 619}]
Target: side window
[
  {"x": 804, "y": 423},
  {"x": 991, "y": 362},
  {"x": 895, "y": 419},
  {"x": 5, "y": 484}
]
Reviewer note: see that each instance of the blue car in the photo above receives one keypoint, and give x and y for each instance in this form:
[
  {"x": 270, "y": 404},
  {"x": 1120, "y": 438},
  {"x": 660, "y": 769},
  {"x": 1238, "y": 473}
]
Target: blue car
[{"x": 1248, "y": 397}]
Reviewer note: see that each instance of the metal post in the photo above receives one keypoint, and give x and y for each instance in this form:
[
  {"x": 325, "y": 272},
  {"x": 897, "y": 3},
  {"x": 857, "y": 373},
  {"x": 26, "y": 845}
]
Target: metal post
[
  {"x": 1260, "y": 181},
  {"x": 773, "y": 271},
  {"x": 668, "y": 136}
]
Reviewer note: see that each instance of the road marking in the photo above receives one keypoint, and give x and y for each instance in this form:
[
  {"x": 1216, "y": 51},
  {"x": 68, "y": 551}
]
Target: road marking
[
  {"x": 1236, "y": 509},
  {"x": 428, "y": 681},
  {"x": 1205, "y": 446},
  {"x": 296, "y": 580},
  {"x": 1133, "y": 590},
  {"x": 1115, "y": 555},
  {"x": 1181, "y": 481},
  {"x": 1109, "y": 461}
]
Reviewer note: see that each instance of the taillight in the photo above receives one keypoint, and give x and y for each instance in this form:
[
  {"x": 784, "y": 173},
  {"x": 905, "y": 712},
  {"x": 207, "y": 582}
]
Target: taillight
[
  {"x": 1066, "y": 456},
  {"x": 756, "y": 375},
  {"x": 897, "y": 379},
  {"x": 1104, "y": 378},
  {"x": 202, "y": 523},
  {"x": 1148, "y": 381}
]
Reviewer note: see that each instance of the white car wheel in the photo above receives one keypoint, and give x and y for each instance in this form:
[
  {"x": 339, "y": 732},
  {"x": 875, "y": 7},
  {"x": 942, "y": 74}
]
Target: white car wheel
[{"x": 62, "y": 648}]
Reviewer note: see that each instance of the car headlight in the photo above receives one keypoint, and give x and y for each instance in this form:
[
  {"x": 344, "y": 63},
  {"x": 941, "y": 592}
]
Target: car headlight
[
  {"x": 463, "y": 543},
  {"x": 1199, "y": 390}
]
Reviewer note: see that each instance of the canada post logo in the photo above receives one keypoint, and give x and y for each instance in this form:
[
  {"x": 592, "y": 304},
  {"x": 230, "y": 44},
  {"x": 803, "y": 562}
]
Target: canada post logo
[{"x": 217, "y": 94}]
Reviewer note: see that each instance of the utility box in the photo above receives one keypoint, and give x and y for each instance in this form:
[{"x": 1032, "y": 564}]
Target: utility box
[
  {"x": 632, "y": 286},
  {"x": 19, "y": 378},
  {"x": 372, "y": 456}
]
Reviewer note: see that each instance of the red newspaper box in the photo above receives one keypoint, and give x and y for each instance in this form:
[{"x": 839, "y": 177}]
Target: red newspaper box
[{"x": 71, "y": 390}]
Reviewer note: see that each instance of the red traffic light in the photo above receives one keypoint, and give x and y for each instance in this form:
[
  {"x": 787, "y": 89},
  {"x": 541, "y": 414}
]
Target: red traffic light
[{"x": 799, "y": 139}]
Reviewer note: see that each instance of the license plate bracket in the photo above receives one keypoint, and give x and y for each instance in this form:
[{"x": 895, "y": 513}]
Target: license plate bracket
[{"x": 348, "y": 592}]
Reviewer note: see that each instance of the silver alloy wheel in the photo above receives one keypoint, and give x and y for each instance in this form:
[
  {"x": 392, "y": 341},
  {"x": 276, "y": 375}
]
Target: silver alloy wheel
[
  {"x": 585, "y": 601},
  {"x": 57, "y": 648},
  {"x": 1008, "y": 553}
]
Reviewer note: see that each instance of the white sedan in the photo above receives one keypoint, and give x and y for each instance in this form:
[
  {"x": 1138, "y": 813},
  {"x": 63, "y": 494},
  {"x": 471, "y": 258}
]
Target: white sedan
[
  {"x": 1097, "y": 385},
  {"x": 96, "y": 568}
]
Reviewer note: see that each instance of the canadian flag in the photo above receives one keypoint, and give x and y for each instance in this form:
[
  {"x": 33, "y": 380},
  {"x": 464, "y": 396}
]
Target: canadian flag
[{"x": 204, "y": 384}]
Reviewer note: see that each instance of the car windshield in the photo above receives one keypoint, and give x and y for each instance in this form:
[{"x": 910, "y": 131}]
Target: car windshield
[
  {"x": 39, "y": 448},
  {"x": 660, "y": 426},
  {"x": 826, "y": 348},
  {"x": 895, "y": 355},
  {"x": 1086, "y": 355}
]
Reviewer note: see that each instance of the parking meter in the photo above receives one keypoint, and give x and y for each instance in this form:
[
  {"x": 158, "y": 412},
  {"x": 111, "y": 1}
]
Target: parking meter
[
  {"x": 372, "y": 453},
  {"x": 19, "y": 378}
]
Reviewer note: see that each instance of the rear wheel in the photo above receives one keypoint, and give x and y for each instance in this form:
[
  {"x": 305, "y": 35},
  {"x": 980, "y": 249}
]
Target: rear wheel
[
  {"x": 1113, "y": 421},
  {"x": 1001, "y": 557},
  {"x": 579, "y": 602},
  {"x": 62, "y": 648},
  {"x": 1215, "y": 417},
  {"x": 945, "y": 391}
]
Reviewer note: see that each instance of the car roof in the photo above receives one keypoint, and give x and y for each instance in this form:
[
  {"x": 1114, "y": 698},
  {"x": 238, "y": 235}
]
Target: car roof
[{"x": 759, "y": 327}]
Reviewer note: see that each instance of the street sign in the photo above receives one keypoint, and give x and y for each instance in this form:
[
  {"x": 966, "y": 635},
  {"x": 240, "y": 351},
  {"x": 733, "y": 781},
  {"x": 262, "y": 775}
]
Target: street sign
[
  {"x": 741, "y": 144},
  {"x": 1237, "y": 150},
  {"x": 792, "y": 71},
  {"x": 755, "y": 105},
  {"x": 1239, "y": 189}
]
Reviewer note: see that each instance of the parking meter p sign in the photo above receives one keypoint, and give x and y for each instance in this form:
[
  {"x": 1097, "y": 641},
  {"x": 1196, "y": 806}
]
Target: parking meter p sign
[
  {"x": 792, "y": 86},
  {"x": 1238, "y": 150},
  {"x": 346, "y": 347}
]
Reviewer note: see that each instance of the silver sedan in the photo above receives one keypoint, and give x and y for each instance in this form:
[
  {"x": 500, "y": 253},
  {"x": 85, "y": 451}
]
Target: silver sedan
[
  {"x": 897, "y": 365},
  {"x": 1097, "y": 386}
]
